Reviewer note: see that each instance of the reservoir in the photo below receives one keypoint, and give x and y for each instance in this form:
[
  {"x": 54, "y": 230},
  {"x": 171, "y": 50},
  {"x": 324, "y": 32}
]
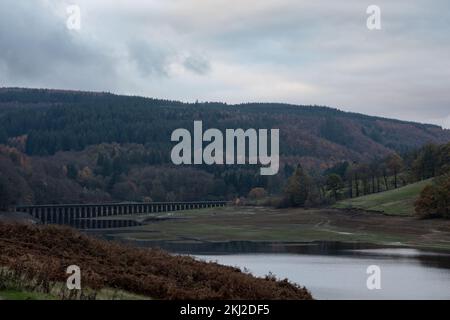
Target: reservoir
[
  {"x": 405, "y": 273},
  {"x": 330, "y": 270},
  {"x": 338, "y": 271}
]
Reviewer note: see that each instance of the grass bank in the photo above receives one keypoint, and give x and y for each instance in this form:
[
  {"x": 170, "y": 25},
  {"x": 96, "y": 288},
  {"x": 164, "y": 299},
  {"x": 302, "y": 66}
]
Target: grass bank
[{"x": 393, "y": 202}]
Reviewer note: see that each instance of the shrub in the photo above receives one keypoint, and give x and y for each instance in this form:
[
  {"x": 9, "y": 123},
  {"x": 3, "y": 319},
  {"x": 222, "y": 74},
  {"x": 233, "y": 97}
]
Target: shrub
[
  {"x": 434, "y": 200},
  {"x": 257, "y": 193}
]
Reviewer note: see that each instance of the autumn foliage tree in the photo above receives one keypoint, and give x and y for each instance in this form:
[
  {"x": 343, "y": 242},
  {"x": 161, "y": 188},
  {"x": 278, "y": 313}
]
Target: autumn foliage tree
[
  {"x": 298, "y": 188},
  {"x": 334, "y": 184},
  {"x": 257, "y": 193},
  {"x": 434, "y": 200},
  {"x": 395, "y": 165}
]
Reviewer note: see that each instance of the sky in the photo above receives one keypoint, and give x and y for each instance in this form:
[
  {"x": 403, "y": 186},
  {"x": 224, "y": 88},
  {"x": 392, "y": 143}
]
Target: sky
[{"x": 291, "y": 51}]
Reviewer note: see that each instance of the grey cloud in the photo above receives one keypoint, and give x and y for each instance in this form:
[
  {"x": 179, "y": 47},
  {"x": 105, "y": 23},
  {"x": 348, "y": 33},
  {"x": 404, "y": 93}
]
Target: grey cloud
[
  {"x": 198, "y": 64},
  {"x": 226, "y": 46},
  {"x": 37, "y": 47},
  {"x": 149, "y": 60}
]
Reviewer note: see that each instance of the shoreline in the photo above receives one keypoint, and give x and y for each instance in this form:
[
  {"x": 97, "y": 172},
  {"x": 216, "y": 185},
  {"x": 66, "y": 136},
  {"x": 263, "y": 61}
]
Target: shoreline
[
  {"x": 284, "y": 226},
  {"x": 268, "y": 247}
]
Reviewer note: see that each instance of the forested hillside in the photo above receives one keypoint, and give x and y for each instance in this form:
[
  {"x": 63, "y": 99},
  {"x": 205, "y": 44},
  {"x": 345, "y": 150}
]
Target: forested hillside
[{"x": 67, "y": 146}]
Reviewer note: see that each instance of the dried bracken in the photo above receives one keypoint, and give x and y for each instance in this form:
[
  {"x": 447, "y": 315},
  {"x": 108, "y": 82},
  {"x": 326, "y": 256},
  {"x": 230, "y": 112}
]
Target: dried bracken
[{"x": 44, "y": 253}]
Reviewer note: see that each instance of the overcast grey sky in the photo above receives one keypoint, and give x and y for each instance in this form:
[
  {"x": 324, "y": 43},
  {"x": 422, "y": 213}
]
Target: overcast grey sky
[{"x": 294, "y": 51}]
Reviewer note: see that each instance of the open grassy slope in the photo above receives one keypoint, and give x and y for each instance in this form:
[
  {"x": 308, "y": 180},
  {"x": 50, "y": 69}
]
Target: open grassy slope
[{"x": 393, "y": 202}]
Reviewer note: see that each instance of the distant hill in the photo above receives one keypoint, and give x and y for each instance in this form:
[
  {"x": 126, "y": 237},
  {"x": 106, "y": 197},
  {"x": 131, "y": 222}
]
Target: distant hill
[
  {"x": 53, "y": 120},
  {"x": 73, "y": 146}
]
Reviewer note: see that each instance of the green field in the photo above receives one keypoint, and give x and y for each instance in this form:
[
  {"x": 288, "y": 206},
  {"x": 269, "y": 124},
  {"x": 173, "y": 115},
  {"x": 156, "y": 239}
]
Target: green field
[
  {"x": 19, "y": 293},
  {"x": 24, "y": 295},
  {"x": 393, "y": 202}
]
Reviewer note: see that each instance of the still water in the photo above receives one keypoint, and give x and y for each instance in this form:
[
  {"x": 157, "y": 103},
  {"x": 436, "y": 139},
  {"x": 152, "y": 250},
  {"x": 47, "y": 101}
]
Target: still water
[
  {"x": 341, "y": 273},
  {"x": 330, "y": 270}
]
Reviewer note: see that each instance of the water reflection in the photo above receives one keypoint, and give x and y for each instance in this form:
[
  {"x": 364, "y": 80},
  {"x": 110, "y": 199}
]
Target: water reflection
[
  {"x": 330, "y": 270},
  {"x": 329, "y": 248},
  {"x": 230, "y": 247},
  {"x": 344, "y": 276}
]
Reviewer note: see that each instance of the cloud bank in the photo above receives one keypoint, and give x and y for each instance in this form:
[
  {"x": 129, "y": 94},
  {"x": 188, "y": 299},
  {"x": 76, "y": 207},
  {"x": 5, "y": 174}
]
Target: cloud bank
[{"x": 304, "y": 52}]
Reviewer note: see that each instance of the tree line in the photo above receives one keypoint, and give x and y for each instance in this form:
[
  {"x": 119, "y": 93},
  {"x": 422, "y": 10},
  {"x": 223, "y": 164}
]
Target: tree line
[{"x": 352, "y": 179}]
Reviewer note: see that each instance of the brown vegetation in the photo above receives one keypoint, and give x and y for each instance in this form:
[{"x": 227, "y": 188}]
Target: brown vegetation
[
  {"x": 44, "y": 253},
  {"x": 434, "y": 200}
]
